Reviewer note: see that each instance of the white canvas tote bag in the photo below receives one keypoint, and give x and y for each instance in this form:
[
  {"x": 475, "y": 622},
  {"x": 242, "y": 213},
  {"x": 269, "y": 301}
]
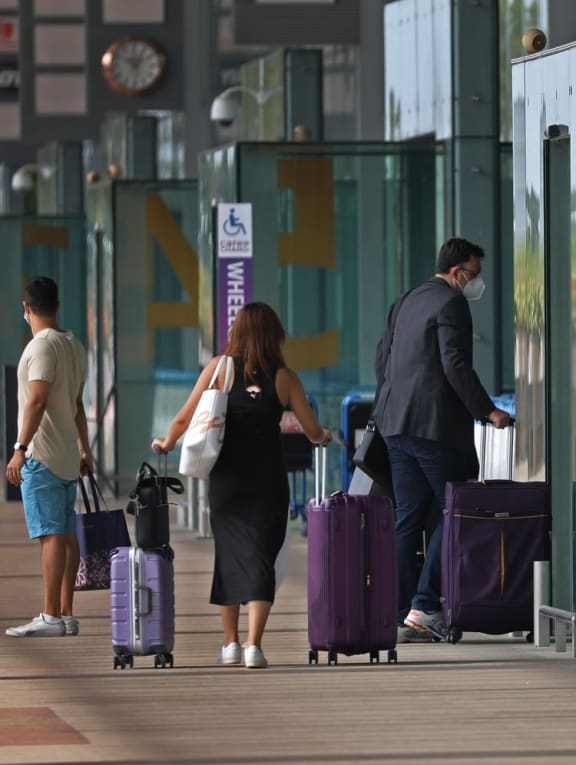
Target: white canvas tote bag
[{"x": 205, "y": 435}]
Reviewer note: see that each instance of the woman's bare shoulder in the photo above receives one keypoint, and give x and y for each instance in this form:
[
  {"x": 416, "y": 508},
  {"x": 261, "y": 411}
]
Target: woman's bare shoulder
[{"x": 285, "y": 373}]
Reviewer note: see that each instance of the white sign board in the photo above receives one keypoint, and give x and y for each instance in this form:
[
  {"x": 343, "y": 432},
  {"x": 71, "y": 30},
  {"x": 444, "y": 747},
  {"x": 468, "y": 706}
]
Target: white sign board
[{"x": 235, "y": 230}]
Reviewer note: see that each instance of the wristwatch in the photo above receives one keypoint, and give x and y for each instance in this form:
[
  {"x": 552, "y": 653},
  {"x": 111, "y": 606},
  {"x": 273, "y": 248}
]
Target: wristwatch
[{"x": 18, "y": 447}]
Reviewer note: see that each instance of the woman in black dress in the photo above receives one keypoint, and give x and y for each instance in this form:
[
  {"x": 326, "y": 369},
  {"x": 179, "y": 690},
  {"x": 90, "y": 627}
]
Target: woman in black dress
[{"x": 248, "y": 487}]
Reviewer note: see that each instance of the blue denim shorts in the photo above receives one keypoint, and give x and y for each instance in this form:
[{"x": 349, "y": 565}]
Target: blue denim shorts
[{"x": 48, "y": 501}]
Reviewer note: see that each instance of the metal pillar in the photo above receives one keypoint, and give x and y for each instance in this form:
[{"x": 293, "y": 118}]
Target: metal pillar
[{"x": 476, "y": 165}]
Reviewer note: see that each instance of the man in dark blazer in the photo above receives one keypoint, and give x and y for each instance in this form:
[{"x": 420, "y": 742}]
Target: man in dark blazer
[{"x": 428, "y": 396}]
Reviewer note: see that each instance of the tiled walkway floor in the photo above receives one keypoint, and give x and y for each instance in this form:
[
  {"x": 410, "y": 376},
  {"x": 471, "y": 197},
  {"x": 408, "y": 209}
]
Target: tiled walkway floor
[{"x": 484, "y": 700}]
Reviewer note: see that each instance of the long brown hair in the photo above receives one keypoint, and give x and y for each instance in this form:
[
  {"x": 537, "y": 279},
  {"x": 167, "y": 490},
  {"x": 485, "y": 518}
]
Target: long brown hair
[{"x": 256, "y": 336}]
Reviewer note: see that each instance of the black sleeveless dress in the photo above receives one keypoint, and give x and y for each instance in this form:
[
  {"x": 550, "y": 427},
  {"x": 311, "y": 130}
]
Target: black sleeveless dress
[{"x": 248, "y": 493}]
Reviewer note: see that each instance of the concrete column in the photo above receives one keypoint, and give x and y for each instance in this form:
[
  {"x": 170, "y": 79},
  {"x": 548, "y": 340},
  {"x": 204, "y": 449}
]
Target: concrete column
[
  {"x": 201, "y": 79},
  {"x": 303, "y": 94},
  {"x": 370, "y": 89}
]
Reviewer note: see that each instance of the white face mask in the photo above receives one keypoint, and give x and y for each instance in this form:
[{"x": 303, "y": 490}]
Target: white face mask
[
  {"x": 474, "y": 289},
  {"x": 26, "y": 319}
]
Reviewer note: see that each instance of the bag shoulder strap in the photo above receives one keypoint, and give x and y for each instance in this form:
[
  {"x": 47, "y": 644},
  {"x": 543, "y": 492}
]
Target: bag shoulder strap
[
  {"x": 388, "y": 333},
  {"x": 229, "y": 367}
]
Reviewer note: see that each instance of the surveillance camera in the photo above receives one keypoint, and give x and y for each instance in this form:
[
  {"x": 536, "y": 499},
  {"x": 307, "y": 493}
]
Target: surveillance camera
[
  {"x": 24, "y": 179},
  {"x": 224, "y": 111},
  {"x": 534, "y": 40}
]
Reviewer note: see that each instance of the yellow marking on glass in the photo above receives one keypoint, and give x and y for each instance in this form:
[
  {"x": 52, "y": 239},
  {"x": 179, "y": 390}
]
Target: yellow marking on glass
[
  {"x": 313, "y": 351},
  {"x": 313, "y": 241},
  {"x": 54, "y": 236},
  {"x": 163, "y": 228}
]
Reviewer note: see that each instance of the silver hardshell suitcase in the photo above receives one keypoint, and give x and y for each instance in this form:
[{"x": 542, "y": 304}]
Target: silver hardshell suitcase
[{"x": 142, "y": 605}]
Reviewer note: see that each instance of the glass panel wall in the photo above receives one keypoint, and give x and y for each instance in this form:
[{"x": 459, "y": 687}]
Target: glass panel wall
[
  {"x": 545, "y": 299},
  {"x": 143, "y": 309},
  {"x": 40, "y": 246},
  {"x": 516, "y": 16},
  {"x": 340, "y": 230}
]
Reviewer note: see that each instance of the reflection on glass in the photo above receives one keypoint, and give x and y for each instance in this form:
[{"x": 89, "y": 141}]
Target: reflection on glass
[
  {"x": 143, "y": 305},
  {"x": 340, "y": 230}
]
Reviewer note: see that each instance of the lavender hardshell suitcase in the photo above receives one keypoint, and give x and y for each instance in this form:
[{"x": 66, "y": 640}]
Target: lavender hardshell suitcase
[
  {"x": 142, "y": 604},
  {"x": 352, "y": 590},
  {"x": 493, "y": 532}
]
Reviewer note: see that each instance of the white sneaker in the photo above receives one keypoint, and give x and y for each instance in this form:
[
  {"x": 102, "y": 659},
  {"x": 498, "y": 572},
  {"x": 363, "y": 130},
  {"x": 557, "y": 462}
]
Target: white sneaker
[
  {"x": 38, "y": 628},
  {"x": 230, "y": 654},
  {"x": 72, "y": 626},
  {"x": 254, "y": 658}
]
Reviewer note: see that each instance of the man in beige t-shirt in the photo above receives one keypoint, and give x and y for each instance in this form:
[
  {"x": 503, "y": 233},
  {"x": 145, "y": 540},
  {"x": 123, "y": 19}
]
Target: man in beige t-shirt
[{"x": 52, "y": 450}]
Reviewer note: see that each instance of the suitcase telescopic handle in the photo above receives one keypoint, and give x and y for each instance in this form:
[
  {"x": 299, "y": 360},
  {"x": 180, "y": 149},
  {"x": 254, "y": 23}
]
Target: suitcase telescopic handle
[
  {"x": 158, "y": 451},
  {"x": 510, "y": 428},
  {"x": 319, "y": 474}
]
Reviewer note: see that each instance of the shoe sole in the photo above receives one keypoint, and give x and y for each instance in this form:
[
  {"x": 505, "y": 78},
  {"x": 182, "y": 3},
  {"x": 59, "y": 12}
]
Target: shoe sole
[
  {"x": 230, "y": 662},
  {"x": 426, "y": 638},
  {"x": 35, "y": 634},
  {"x": 256, "y": 666}
]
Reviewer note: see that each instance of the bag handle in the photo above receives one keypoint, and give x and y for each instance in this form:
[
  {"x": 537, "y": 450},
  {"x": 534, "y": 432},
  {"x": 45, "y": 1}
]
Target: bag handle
[
  {"x": 171, "y": 482},
  {"x": 145, "y": 470},
  {"x": 84, "y": 493},
  {"x": 175, "y": 484},
  {"x": 229, "y": 366},
  {"x": 96, "y": 492}
]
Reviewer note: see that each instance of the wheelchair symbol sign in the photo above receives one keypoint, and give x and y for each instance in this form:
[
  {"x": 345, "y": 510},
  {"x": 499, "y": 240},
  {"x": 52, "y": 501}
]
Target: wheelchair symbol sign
[
  {"x": 232, "y": 225},
  {"x": 235, "y": 230}
]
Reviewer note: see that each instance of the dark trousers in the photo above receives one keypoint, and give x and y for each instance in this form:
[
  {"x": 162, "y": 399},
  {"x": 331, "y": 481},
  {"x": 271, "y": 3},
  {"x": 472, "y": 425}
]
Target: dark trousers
[{"x": 420, "y": 469}]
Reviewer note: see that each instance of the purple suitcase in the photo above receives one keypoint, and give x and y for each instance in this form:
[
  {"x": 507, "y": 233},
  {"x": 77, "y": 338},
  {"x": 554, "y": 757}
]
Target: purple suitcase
[
  {"x": 493, "y": 532},
  {"x": 142, "y": 605},
  {"x": 352, "y": 590}
]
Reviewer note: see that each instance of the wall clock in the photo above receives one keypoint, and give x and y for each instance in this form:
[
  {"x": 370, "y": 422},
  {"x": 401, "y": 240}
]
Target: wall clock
[{"x": 133, "y": 65}]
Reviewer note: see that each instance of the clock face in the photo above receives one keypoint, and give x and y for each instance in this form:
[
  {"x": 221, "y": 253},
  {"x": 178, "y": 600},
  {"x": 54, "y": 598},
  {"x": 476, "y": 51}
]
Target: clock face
[{"x": 133, "y": 65}]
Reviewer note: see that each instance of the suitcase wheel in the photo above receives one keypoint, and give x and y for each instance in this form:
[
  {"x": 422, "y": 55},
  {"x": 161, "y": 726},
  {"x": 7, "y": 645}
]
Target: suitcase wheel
[
  {"x": 123, "y": 660},
  {"x": 392, "y": 656},
  {"x": 312, "y": 657},
  {"x": 163, "y": 660},
  {"x": 332, "y": 657},
  {"x": 454, "y": 635},
  {"x": 375, "y": 657}
]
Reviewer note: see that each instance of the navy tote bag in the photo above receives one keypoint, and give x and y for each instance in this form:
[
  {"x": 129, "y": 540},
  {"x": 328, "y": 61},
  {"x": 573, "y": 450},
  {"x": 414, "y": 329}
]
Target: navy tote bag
[{"x": 99, "y": 532}]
